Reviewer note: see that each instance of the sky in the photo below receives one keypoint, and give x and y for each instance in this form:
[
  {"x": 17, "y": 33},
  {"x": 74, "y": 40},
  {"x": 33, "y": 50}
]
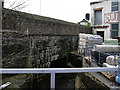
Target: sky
[{"x": 67, "y": 10}]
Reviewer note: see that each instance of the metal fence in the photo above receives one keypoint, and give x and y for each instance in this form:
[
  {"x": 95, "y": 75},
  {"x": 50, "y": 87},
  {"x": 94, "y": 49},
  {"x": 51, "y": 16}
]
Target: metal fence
[{"x": 53, "y": 71}]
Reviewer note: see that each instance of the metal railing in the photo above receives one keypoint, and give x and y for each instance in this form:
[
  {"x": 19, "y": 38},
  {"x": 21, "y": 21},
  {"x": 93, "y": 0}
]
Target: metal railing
[{"x": 53, "y": 71}]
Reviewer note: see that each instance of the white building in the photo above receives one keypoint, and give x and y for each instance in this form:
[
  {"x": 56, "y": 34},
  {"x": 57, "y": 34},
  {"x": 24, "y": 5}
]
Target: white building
[{"x": 105, "y": 18}]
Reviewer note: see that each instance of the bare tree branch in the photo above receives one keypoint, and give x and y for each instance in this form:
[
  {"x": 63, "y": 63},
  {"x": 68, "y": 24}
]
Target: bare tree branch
[
  {"x": 19, "y": 8},
  {"x": 21, "y": 4},
  {"x": 13, "y": 3}
]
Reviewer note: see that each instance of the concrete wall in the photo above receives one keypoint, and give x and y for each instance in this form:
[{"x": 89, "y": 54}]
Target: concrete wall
[{"x": 35, "y": 41}]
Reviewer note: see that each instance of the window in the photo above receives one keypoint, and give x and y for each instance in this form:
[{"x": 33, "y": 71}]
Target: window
[
  {"x": 114, "y": 6},
  {"x": 114, "y": 29},
  {"x": 98, "y": 17}
]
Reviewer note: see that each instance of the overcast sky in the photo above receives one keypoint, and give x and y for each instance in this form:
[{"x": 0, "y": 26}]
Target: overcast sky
[{"x": 67, "y": 10}]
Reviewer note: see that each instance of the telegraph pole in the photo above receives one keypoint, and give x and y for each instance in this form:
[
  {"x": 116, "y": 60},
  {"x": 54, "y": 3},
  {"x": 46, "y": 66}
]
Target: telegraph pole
[{"x": 40, "y": 7}]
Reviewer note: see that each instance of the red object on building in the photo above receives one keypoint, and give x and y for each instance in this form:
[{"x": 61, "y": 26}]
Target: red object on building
[
  {"x": 100, "y": 26},
  {"x": 117, "y": 38}
]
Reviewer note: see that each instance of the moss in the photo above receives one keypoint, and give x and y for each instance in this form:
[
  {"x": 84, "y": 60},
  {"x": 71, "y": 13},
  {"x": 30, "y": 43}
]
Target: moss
[
  {"x": 16, "y": 81},
  {"x": 28, "y": 81},
  {"x": 37, "y": 81},
  {"x": 92, "y": 82}
]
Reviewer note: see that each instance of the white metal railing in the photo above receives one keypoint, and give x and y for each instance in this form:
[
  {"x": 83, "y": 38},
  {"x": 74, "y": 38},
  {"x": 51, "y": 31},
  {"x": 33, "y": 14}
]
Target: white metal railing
[{"x": 52, "y": 71}]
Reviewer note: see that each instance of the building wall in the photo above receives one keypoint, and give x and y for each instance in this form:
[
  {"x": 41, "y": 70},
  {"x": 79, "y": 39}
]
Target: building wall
[
  {"x": 108, "y": 17},
  {"x": 35, "y": 41}
]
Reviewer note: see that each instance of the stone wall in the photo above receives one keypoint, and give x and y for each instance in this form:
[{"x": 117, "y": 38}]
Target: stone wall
[
  {"x": 33, "y": 24},
  {"x": 36, "y": 51},
  {"x": 15, "y": 51},
  {"x": 35, "y": 41}
]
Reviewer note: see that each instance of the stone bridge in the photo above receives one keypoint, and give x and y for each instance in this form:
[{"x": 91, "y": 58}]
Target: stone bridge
[{"x": 36, "y": 41}]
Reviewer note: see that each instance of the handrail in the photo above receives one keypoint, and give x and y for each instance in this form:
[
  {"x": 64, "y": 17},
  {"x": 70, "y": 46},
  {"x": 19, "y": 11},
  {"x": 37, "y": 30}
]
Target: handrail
[{"x": 55, "y": 70}]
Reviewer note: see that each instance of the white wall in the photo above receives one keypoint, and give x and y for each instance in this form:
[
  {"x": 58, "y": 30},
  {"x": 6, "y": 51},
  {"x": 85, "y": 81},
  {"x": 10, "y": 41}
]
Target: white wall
[{"x": 106, "y": 5}]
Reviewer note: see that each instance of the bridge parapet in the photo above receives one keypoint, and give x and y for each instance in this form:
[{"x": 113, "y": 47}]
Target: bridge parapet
[{"x": 36, "y": 39}]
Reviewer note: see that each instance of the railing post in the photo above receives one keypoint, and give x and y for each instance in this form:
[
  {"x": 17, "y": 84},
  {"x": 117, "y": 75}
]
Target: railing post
[{"x": 52, "y": 81}]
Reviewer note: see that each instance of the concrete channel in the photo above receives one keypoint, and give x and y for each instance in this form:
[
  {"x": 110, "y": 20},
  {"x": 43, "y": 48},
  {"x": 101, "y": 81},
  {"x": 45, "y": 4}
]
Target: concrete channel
[
  {"x": 93, "y": 80},
  {"x": 63, "y": 81}
]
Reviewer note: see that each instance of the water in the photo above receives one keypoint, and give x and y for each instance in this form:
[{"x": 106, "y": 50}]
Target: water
[{"x": 63, "y": 81}]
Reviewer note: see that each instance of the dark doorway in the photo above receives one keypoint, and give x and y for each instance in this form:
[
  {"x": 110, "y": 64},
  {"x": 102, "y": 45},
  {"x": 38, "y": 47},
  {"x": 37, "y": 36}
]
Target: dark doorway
[{"x": 101, "y": 33}]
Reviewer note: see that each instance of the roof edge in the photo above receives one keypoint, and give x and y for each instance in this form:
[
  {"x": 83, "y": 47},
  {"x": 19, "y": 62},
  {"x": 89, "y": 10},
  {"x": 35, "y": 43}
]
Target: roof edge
[{"x": 96, "y": 2}]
